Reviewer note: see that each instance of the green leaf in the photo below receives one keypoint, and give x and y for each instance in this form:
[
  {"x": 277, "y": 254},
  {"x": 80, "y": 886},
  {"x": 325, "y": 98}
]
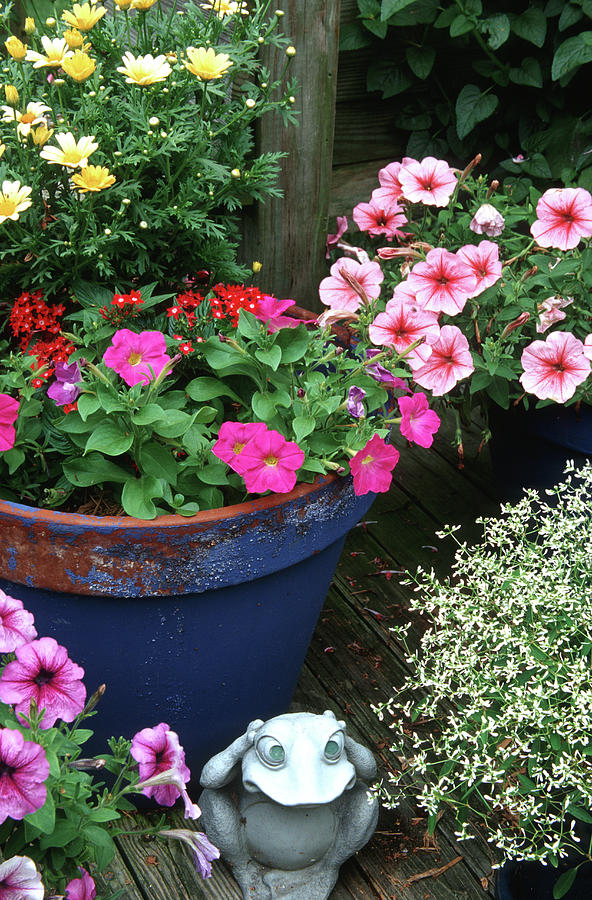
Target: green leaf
[
  {"x": 206, "y": 388},
  {"x": 531, "y": 25},
  {"x": 352, "y": 36},
  {"x": 102, "y": 844},
  {"x": 137, "y": 496},
  {"x": 369, "y": 8},
  {"x": 390, "y": 7},
  {"x": 87, "y": 405},
  {"x": 44, "y": 818},
  {"x": 13, "y": 459},
  {"x": 249, "y": 325},
  {"x": 499, "y": 391},
  {"x": 157, "y": 460},
  {"x": 149, "y": 414},
  {"x": 421, "y": 60},
  {"x": 569, "y": 16},
  {"x": 100, "y": 814},
  {"x": 578, "y": 813},
  {"x": 216, "y": 473},
  {"x": 529, "y": 73},
  {"x": 271, "y": 357},
  {"x": 84, "y": 471},
  {"x": 175, "y": 424},
  {"x": 537, "y": 166},
  {"x": 294, "y": 343},
  {"x": 498, "y": 28},
  {"x": 264, "y": 405},
  {"x": 385, "y": 77},
  {"x": 90, "y": 294},
  {"x": 472, "y": 106},
  {"x": 375, "y": 26},
  {"x": 446, "y": 17},
  {"x": 303, "y": 426},
  {"x": 461, "y": 25},
  {"x": 572, "y": 53},
  {"x": 109, "y": 437},
  {"x": 64, "y": 832},
  {"x": 564, "y": 882}
]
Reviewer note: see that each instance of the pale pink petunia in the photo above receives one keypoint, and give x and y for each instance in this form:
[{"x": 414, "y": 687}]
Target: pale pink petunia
[
  {"x": 388, "y": 179},
  {"x": 204, "y": 852},
  {"x": 8, "y": 415},
  {"x": 82, "y": 888},
  {"x": 372, "y": 467},
  {"x": 419, "y": 423},
  {"x": 157, "y": 751},
  {"x": 551, "y": 311},
  {"x": 20, "y": 880},
  {"x": 43, "y": 672},
  {"x": 137, "y": 358},
  {"x": 450, "y": 362},
  {"x": 443, "y": 283},
  {"x": 587, "y": 351},
  {"x": 564, "y": 216},
  {"x": 430, "y": 181},
  {"x": 16, "y": 625},
  {"x": 271, "y": 311},
  {"x": 23, "y": 771},
  {"x": 333, "y": 239},
  {"x": 350, "y": 284},
  {"x": 233, "y": 437},
  {"x": 483, "y": 260},
  {"x": 555, "y": 367},
  {"x": 269, "y": 463},
  {"x": 400, "y": 325},
  {"x": 487, "y": 220},
  {"x": 380, "y": 216}
]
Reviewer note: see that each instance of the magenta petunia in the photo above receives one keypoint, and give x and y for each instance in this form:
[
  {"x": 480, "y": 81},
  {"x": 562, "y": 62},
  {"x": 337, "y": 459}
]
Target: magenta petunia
[
  {"x": 555, "y": 367},
  {"x": 8, "y": 415},
  {"x": 443, "y": 283},
  {"x": 484, "y": 262},
  {"x": 271, "y": 311},
  {"x": 450, "y": 361},
  {"x": 372, "y": 467},
  {"x": 16, "y": 624},
  {"x": 137, "y": 358},
  {"x": 419, "y": 423},
  {"x": 402, "y": 324},
  {"x": 23, "y": 771},
  {"x": 43, "y": 672},
  {"x": 233, "y": 437},
  {"x": 82, "y": 888},
  {"x": 430, "y": 181},
  {"x": 564, "y": 216},
  {"x": 158, "y": 750},
  {"x": 381, "y": 215},
  {"x": 351, "y": 284},
  {"x": 20, "y": 880},
  {"x": 269, "y": 463}
]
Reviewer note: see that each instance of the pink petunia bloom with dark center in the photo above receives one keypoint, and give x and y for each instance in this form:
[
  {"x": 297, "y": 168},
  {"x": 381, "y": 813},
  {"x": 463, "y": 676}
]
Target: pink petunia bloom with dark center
[
  {"x": 351, "y": 284},
  {"x": 450, "y": 362},
  {"x": 372, "y": 466},
  {"x": 388, "y": 179},
  {"x": 419, "y": 423},
  {"x": 443, "y": 283},
  {"x": 82, "y": 888},
  {"x": 484, "y": 262},
  {"x": 380, "y": 216},
  {"x": 269, "y": 463},
  {"x": 20, "y": 880},
  {"x": 8, "y": 415},
  {"x": 157, "y": 750},
  {"x": 43, "y": 672},
  {"x": 16, "y": 624},
  {"x": 137, "y": 358},
  {"x": 564, "y": 216},
  {"x": 400, "y": 325},
  {"x": 233, "y": 437},
  {"x": 430, "y": 181},
  {"x": 23, "y": 771},
  {"x": 555, "y": 367}
]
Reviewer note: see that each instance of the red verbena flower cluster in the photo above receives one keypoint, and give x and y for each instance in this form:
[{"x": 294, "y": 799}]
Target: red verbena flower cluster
[
  {"x": 185, "y": 306},
  {"x": 123, "y": 306},
  {"x": 229, "y": 299},
  {"x": 37, "y": 326}
]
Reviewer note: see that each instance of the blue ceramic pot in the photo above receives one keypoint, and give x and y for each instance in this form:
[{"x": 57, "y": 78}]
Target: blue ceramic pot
[
  {"x": 200, "y": 622},
  {"x": 533, "y": 881}
]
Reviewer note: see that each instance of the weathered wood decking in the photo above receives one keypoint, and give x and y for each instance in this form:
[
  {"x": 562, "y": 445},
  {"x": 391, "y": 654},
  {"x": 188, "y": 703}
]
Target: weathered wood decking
[{"x": 353, "y": 662}]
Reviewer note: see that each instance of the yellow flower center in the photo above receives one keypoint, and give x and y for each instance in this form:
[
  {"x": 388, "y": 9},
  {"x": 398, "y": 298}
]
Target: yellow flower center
[
  {"x": 134, "y": 358},
  {"x": 27, "y": 118},
  {"x": 367, "y": 460},
  {"x": 271, "y": 460},
  {"x": 238, "y": 447},
  {"x": 7, "y": 206}
]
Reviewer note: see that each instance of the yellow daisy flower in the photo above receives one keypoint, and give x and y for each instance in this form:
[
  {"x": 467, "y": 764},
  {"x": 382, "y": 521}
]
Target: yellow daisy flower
[
  {"x": 80, "y": 66},
  {"x": 207, "y": 64},
  {"x": 71, "y": 153},
  {"x": 226, "y": 7},
  {"x": 83, "y": 16},
  {"x": 2, "y": 149},
  {"x": 16, "y": 48},
  {"x": 33, "y": 115},
  {"x": 14, "y": 199},
  {"x": 41, "y": 135},
  {"x": 75, "y": 39},
  {"x": 144, "y": 70},
  {"x": 142, "y": 5},
  {"x": 123, "y": 4},
  {"x": 56, "y": 51},
  {"x": 93, "y": 178}
]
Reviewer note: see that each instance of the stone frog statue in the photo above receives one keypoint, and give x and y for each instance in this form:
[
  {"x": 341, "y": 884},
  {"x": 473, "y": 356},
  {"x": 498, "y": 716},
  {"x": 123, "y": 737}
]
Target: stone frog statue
[{"x": 286, "y": 803}]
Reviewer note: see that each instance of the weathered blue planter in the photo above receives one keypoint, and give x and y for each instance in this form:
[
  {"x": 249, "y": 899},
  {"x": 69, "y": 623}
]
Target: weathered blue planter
[
  {"x": 533, "y": 881},
  {"x": 203, "y": 623}
]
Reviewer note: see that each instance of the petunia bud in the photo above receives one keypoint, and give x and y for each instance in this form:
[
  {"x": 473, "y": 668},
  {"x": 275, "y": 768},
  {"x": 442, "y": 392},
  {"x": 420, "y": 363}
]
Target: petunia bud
[
  {"x": 517, "y": 323},
  {"x": 487, "y": 220}
]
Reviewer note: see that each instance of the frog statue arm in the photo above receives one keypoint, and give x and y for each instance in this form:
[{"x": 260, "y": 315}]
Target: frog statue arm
[
  {"x": 223, "y": 768},
  {"x": 361, "y": 758}
]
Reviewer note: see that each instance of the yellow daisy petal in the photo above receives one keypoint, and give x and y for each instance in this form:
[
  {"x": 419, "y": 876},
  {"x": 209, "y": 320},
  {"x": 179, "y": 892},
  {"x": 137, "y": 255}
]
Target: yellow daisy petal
[
  {"x": 144, "y": 70},
  {"x": 16, "y": 48},
  {"x": 13, "y": 200},
  {"x": 80, "y": 66},
  {"x": 83, "y": 16},
  {"x": 56, "y": 51},
  {"x": 93, "y": 178},
  {"x": 206, "y": 64},
  {"x": 71, "y": 153}
]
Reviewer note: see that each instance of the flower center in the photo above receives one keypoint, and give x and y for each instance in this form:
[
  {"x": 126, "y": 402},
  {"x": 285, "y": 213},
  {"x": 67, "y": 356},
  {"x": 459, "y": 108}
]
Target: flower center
[
  {"x": 27, "y": 118},
  {"x": 5, "y": 769},
  {"x": 238, "y": 447},
  {"x": 7, "y": 206},
  {"x": 271, "y": 460},
  {"x": 134, "y": 358},
  {"x": 367, "y": 460},
  {"x": 43, "y": 677}
]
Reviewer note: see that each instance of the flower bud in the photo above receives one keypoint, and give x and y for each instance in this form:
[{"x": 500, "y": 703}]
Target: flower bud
[
  {"x": 12, "y": 95},
  {"x": 290, "y": 51},
  {"x": 257, "y": 266},
  {"x": 143, "y": 224},
  {"x": 16, "y": 48},
  {"x": 249, "y": 103},
  {"x": 50, "y": 21},
  {"x": 29, "y": 25},
  {"x": 235, "y": 173},
  {"x": 154, "y": 120},
  {"x": 517, "y": 323}
]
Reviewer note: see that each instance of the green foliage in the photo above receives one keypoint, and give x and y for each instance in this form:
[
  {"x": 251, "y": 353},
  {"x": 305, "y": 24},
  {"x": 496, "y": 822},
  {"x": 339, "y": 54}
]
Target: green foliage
[{"x": 495, "y": 78}]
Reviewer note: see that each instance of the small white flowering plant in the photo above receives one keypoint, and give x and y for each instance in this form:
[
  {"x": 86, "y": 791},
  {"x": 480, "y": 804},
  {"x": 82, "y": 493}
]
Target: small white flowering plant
[{"x": 494, "y": 722}]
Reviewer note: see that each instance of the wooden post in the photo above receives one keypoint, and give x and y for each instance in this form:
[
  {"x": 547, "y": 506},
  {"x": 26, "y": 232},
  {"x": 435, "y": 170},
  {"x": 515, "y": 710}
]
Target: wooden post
[{"x": 288, "y": 235}]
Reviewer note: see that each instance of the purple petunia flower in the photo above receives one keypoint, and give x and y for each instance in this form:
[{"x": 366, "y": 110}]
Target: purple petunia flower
[
  {"x": 24, "y": 768},
  {"x": 204, "y": 852},
  {"x": 65, "y": 389},
  {"x": 20, "y": 880},
  {"x": 82, "y": 888},
  {"x": 355, "y": 407}
]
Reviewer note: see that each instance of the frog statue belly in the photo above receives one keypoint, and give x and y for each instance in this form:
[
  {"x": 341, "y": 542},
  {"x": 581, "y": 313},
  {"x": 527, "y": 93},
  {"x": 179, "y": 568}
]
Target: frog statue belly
[{"x": 286, "y": 804}]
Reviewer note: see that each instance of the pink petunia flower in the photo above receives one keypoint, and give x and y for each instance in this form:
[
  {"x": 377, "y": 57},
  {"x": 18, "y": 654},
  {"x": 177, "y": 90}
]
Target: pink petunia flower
[
  {"x": 16, "y": 624},
  {"x": 388, "y": 179},
  {"x": 351, "y": 284},
  {"x": 20, "y": 880},
  {"x": 551, "y": 311},
  {"x": 443, "y": 283},
  {"x": 564, "y": 216},
  {"x": 372, "y": 467},
  {"x": 400, "y": 325},
  {"x": 23, "y": 771},
  {"x": 333, "y": 239},
  {"x": 8, "y": 415},
  {"x": 380, "y": 216},
  {"x": 450, "y": 361},
  {"x": 43, "y": 672},
  {"x": 233, "y": 437},
  {"x": 269, "y": 463},
  {"x": 487, "y": 220},
  {"x": 555, "y": 367},
  {"x": 157, "y": 750},
  {"x": 484, "y": 262},
  {"x": 587, "y": 351},
  {"x": 419, "y": 423},
  {"x": 430, "y": 181},
  {"x": 82, "y": 888},
  {"x": 133, "y": 356},
  {"x": 204, "y": 852},
  {"x": 270, "y": 310}
]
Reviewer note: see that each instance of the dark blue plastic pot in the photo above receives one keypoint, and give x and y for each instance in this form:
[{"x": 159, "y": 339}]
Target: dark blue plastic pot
[
  {"x": 529, "y": 448},
  {"x": 533, "y": 881},
  {"x": 202, "y": 623}
]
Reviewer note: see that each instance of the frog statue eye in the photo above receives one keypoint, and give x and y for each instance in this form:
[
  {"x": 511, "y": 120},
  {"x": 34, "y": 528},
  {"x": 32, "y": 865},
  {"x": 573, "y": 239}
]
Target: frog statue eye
[
  {"x": 334, "y": 747},
  {"x": 270, "y": 751}
]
